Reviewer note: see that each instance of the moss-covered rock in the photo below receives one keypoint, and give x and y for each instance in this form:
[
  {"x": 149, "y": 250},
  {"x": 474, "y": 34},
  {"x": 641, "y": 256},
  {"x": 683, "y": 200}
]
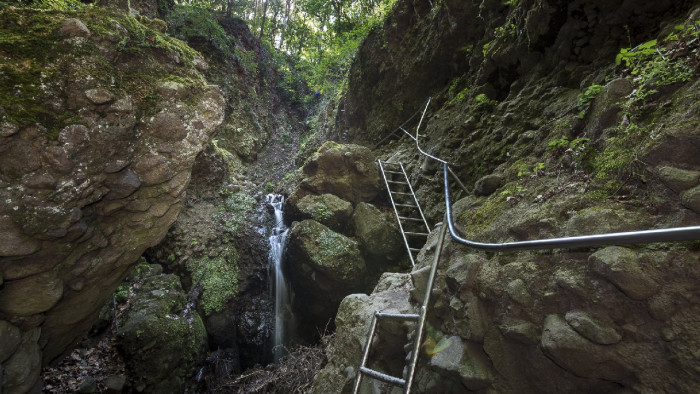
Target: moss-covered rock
[
  {"x": 324, "y": 266},
  {"x": 327, "y": 209},
  {"x": 162, "y": 338}
]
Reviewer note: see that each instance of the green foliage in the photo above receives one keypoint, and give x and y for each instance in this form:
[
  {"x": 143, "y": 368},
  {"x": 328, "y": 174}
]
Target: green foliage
[
  {"x": 631, "y": 55},
  {"x": 193, "y": 22},
  {"x": 505, "y": 32},
  {"x": 663, "y": 71},
  {"x": 482, "y": 101},
  {"x": 585, "y": 98},
  {"x": 218, "y": 279}
]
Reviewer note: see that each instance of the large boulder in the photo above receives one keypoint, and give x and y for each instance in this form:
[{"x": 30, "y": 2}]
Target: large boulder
[
  {"x": 94, "y": 160},
  {"x": 378, "y": 234},
  {"x": 324, "y": 266},
  {"x": 327, "y": 209},
  {"x": 161, "y": 336},
  {"x": 347, "y": 171}
]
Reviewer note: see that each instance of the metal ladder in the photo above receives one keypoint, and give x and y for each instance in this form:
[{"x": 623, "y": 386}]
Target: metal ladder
[
  {"x": 407, "y": 379},
  {"x": 414, "y": 228}
]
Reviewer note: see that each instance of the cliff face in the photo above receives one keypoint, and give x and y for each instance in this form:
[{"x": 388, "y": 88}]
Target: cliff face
[
  {"x": 101, "y": 118},
  {"x": 553, "y": 138}
]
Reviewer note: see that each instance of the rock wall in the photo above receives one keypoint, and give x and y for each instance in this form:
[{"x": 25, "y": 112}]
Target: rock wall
[
  {"x": 101, "y": 118},
  {"x": 557, "y": 140}
]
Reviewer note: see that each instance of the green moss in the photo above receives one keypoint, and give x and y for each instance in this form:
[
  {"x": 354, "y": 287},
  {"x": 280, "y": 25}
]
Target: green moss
[
  {"x": 218, "y": 279},
  {"x": 331, "y": 245},
  {"x": 478, "y": 219},
  {"x": 234, "y": 210},
  {"x": 38, "y": 60}
]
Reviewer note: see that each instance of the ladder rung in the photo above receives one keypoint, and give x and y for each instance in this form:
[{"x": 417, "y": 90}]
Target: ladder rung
[
  {"x": 413, "y": 219},
  {"x": 398, "y": 182},
  {"x": 416, "y": 234},
  {"x": 407, "y": 194},
  {"x": 397, "y": 316},
  {"x": 391, "y": 164},
  {"x": 407, "y": 205},
  {"x": 414, "y": 250},
  {"x": 393, "y": 172},
  {"x": 383, "y": 377}
]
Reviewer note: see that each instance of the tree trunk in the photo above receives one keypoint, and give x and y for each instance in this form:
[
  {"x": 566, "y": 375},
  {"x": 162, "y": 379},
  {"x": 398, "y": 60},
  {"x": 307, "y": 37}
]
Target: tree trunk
[
  {"x": 264, "y": 16},
  {"x": 287, "y": 10}
]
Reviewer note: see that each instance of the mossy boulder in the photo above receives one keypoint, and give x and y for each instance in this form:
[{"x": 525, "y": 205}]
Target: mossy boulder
[
  {"x": 324, "y": 266},
  {"x": 327, "y": 209},
  {"x": 162, "y": 338}
]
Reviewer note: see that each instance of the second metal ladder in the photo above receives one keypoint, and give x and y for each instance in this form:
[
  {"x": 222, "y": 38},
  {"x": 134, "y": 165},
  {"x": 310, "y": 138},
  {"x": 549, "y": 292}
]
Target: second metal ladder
[
  {"x": 406, "y": 380},
  {"x": 414, "y": 228}
]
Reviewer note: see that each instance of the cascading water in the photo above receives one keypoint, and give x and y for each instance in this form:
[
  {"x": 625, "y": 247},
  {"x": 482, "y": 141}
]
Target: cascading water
[{"x": 283, "y": 315}]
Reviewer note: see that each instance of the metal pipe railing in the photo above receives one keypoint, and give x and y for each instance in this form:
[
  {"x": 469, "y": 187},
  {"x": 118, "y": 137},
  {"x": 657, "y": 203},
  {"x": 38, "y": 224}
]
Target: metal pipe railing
[{"x": 629, "y": 237}]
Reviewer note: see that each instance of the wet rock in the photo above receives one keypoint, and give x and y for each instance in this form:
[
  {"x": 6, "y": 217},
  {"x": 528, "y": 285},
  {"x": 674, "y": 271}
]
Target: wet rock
[
  {"x": 619, "y": 266},
  {"x": 485, "y": 186},
  {"x": 678, "y": 179},
  {"x": 378, "y": 235},
  {"x": 327, "y": 209},
  {"x": 593, "y": 329},
  {"x": 691, "y": 199},
  {"x": 465, "y": 359}
]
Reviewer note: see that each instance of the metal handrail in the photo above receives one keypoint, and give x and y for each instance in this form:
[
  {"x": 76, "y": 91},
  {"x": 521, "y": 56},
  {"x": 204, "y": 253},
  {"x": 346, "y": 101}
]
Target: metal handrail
[{"x": 629, "y": 237}]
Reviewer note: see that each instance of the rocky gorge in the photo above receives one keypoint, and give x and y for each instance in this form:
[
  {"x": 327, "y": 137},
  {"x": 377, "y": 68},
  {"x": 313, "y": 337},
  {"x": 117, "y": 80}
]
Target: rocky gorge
[{"x": 120, "y": 159}]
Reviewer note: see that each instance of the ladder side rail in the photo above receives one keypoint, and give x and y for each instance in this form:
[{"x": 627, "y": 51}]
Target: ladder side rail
[
  {"x": 415, "y": 199},
  {"x": 365, "y": 354},
  {"x": 396, "y": 212},
  {"x": 418, "y": 338}
]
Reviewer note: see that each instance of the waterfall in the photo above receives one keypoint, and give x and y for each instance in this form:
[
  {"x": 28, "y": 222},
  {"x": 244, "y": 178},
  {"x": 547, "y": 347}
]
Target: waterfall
[{"x": 282, "y": 297}]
